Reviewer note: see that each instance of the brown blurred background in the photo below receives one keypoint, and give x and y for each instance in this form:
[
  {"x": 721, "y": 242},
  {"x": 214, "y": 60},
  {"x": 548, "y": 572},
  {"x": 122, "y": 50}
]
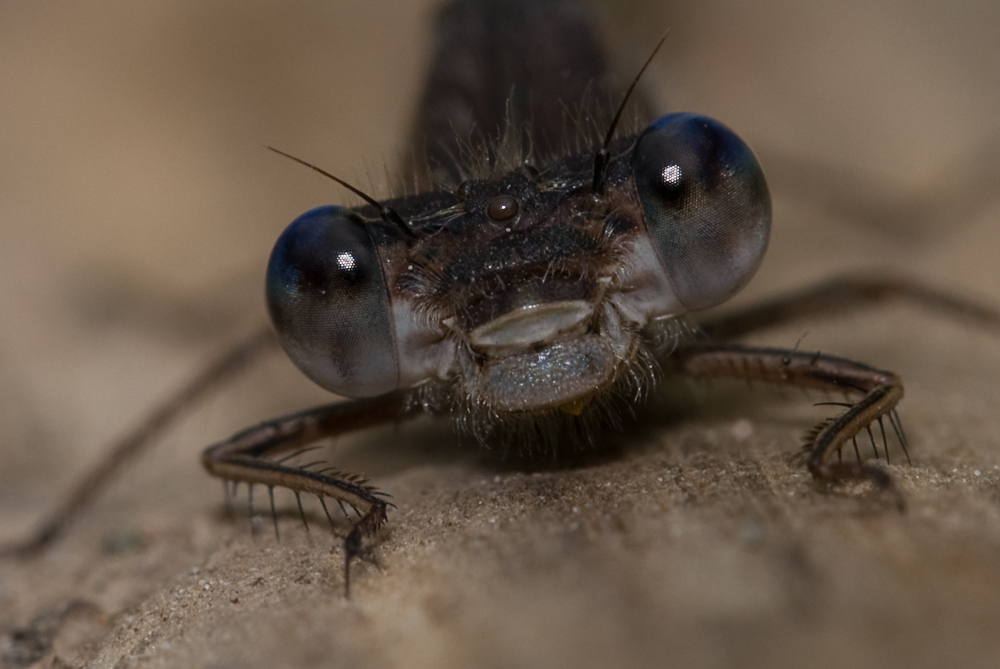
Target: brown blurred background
[{"x": 137, "y": 209}]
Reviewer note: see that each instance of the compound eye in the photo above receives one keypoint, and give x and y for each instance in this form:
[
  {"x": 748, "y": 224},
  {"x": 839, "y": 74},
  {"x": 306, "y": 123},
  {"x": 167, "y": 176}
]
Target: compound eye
[
  {"x": 705, "y": 203},
  {"x": 327, "y": 297}
]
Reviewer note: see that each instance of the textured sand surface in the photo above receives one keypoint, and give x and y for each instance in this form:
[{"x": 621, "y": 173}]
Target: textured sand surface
[{"x": 137, "y": 209}]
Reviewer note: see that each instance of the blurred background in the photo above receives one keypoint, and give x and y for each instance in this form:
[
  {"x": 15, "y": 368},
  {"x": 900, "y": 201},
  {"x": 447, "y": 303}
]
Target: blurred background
[{"x": 138, "y": 206}]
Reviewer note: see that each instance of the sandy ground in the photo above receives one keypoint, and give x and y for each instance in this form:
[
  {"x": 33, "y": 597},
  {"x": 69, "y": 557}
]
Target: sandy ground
[{"x": 138, "y": 208}]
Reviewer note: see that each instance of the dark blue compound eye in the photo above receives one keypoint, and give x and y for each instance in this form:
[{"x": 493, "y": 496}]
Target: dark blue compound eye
[
  {"x": 705, "y": 203},
  {"x": 327, "y": 297}
]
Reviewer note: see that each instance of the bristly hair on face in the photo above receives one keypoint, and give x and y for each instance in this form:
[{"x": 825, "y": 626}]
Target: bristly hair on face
[
  {"x": 555, "y": 432},
  {"x": 552, "y": 432},
  {"x": 512, "y": 146}
]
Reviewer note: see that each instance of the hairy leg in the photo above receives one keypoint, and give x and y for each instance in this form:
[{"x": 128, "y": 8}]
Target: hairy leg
[
  {"x": 250, "y": 457},
  {"x": 879, "y": 390}
]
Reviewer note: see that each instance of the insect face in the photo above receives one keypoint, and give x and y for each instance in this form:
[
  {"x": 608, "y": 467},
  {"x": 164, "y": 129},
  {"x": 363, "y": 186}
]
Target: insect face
[{"x": 528, "y": 292}]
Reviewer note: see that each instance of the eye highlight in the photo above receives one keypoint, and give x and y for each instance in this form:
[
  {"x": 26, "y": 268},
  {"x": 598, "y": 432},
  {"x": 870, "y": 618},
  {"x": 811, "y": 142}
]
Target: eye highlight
[
  {"x": 327, "y": 298},
  {"x": 705, "y": 203},
  {"x": 671, "y": 174}
]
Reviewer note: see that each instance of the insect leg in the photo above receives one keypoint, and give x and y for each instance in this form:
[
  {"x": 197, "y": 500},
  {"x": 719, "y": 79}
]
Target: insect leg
[
  {"x": 879, "y": 392},
  {"x": 248, "y": 456}
]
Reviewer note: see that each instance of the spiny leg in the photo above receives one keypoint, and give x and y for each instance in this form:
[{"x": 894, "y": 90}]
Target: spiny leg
[
  {"x": 302, "y": 514},
  {"x": 879, "y": 392},
  {"x": 249, "y": 456},
  {"x": 329, "y": 518},
  {"x": 885, "y": 442},
  {"x": 871, "y": 438},
  {"x": 897, "y": 425}
]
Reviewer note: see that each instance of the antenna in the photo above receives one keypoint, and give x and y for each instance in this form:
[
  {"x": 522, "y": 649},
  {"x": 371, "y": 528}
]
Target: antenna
[
  {"x": 601, "y": 159},
  {"x": 388, "y": 214}
]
